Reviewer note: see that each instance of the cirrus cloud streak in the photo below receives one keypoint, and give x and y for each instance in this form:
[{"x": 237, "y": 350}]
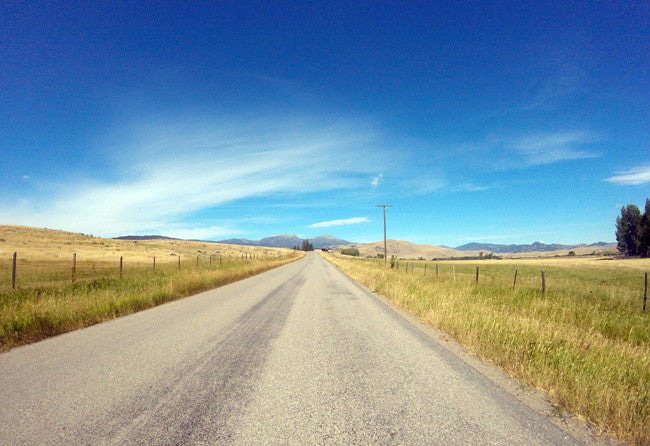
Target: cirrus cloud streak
[
  {"x": 341, "y": 222},
  {"x": 187, "y": 169},
  {"x": 633, "y": 177}
]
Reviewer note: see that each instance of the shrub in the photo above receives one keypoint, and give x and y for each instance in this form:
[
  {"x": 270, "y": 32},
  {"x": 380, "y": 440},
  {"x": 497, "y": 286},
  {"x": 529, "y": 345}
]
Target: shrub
[{"x": 350, "y": 252}]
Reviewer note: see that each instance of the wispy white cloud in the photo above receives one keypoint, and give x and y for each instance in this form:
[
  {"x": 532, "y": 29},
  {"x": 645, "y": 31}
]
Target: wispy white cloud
[
  {"x": 541, "y": 149},
  {"x": 426, "y": 185},
  {"x": 423, "y": 184},
  {"x": 634, "y": 176},
  {"x": 554, "y": 91},
  {"x": 551, "y": 148},
  {"x": 345, "y": 221},
  {"x": 174, "y": 170},
  {"x": 376, "y": 181},
  {"x": 469, "y": 187}
]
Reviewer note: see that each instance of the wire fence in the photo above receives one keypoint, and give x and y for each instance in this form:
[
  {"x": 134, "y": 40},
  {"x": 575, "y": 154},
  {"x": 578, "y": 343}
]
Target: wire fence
[
  {"x": 518, "y": 277},
  {"x": 21, "y": 272}
]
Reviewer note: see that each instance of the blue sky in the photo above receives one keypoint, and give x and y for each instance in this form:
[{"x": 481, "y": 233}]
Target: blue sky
[{"x": 503, "y": 122}]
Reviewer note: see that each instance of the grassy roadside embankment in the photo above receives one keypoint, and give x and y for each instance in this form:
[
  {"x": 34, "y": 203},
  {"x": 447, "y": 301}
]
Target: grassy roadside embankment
[
  {"x": 46, "y": 301},
  {"x": 585, "y": 341}
]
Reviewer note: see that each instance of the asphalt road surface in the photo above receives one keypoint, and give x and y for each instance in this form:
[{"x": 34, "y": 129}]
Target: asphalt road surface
[{"x": 297, "y": 355}]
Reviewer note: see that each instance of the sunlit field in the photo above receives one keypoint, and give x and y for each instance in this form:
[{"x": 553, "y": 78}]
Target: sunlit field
[
  {"x": 585, "y": 340},
  {"x": 54, "y": 293}
]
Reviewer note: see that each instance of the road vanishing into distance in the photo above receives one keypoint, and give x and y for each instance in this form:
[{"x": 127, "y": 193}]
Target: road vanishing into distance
[{"x": 297, "y": 355}]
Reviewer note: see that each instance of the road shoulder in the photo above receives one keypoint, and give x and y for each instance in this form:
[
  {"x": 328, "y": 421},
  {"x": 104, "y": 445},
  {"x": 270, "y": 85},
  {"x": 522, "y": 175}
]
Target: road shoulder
[{"x": 535, "y": 399}]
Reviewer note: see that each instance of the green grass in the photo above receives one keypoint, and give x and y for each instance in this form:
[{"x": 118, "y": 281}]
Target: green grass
[
  {"x": 47, "y": 303},
  {"x": 585, "y": 341}
]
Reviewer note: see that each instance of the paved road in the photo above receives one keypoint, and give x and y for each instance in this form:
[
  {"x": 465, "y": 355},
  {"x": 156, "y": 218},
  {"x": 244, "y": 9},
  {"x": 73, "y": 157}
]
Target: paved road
[{"x": 297, "y": 355}]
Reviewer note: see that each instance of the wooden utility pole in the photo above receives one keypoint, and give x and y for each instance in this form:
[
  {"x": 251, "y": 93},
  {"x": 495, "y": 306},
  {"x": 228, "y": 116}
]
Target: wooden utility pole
[{"x": 385, "y": 250}]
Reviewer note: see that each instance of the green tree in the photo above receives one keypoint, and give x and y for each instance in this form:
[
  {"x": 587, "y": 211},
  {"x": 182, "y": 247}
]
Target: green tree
[
  {"x": 644, "y": 231},
  {"x": 627, "y": 230},
  {"x": 306, "y": 246}
]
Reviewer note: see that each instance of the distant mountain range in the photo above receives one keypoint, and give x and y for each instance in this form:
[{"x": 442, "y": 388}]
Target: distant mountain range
[
  {"x": 402, "y": 248},
  {"x": 534, "y": 247},
  {"x": 144, "y": 237},
  {"x": 407, "y": 250},
  {"x": 288, "y": 241},
  {"x": 277, "y": 241}
]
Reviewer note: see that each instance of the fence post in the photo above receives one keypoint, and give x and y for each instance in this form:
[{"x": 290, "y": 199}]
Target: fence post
[
  {"x": 179, "y": 262},
  {"x": 543, "y": 283},
  {"x": 645, "y": 291},
  {"x": 425, "y": 269},
  {"x": 477, "y": 274},
  {"x": 436, "y": 270},
  {"x": 453, "y": 268},
  {"x": 210, "y": 260},
  {"x": 220, "y": 258},
  {"x": 515, "y": 282},
  {"x": 74, "y": 266},
  {"x": 197, "y": 260},
  {"x": 121, "y": 258},
  {"x": 13, "y": 272},
  {"x": 154, "y": 263}
]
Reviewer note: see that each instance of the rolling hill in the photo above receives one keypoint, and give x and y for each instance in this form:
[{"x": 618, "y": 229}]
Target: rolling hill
[
  {"x": 407, "y": 250},
  {"x": 50, "y": 244}
]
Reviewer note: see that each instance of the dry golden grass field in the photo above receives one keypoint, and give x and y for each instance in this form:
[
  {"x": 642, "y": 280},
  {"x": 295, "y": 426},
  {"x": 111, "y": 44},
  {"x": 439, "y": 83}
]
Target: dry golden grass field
[
  {"x": 54, "y": 295},
  {"x": 585, "y": 341},
  {"x": 37, "y": 244}
]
